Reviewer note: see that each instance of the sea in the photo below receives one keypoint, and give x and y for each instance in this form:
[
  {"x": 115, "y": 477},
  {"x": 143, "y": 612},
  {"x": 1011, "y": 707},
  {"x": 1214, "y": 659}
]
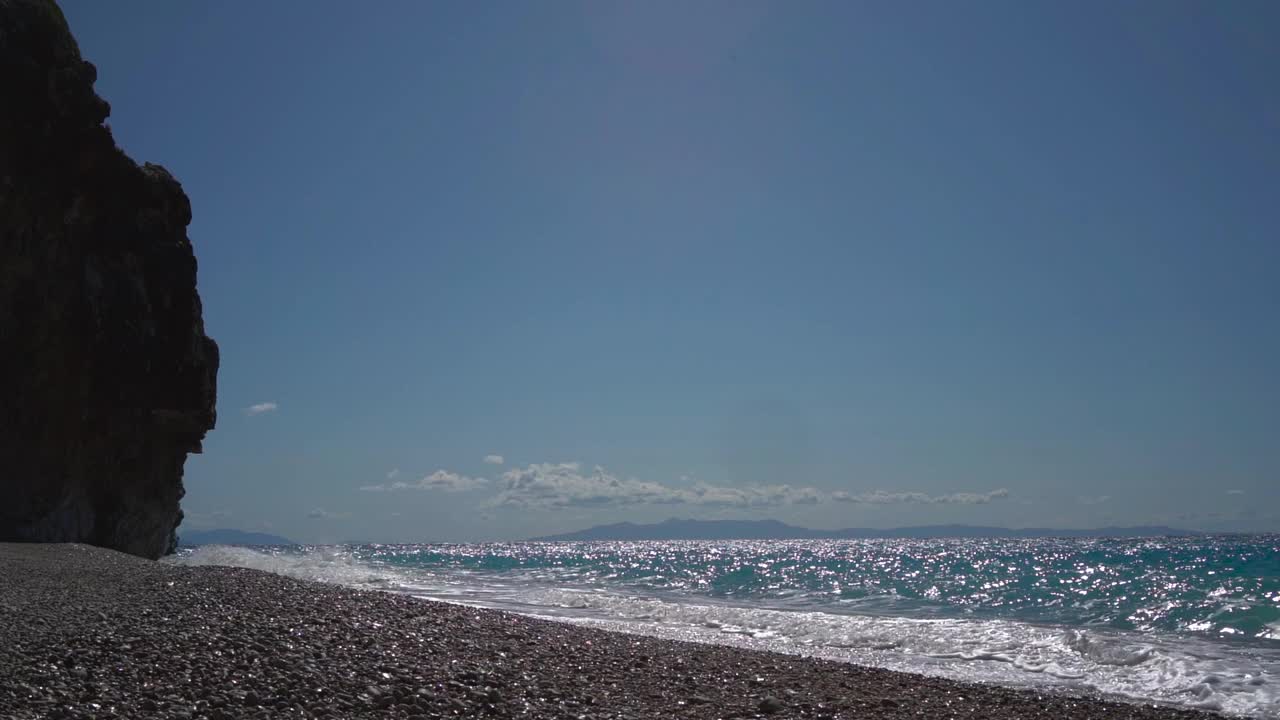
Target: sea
[{"x": 1191, "y": 622}]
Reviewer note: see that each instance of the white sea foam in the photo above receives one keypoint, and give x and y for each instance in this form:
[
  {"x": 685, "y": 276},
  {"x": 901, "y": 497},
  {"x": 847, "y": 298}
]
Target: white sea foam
[
  {"x": 1182, "y": 671},
  {"x": 1234, "y": 678},
  {"x": 329, "y": 564}
]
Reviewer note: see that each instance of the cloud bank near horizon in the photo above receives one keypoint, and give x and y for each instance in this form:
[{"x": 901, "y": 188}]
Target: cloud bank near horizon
[
  {"x": 880, "y": 497},
  {"x": 441, "y": 480},
  {"x": 567, "y": 485}
]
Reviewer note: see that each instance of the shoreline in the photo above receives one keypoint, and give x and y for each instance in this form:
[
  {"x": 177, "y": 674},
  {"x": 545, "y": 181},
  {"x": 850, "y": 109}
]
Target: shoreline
[{"x": 83, "y": 626}]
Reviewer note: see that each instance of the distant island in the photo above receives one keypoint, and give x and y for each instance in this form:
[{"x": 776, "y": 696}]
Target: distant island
[
  {"x": 227, "y": 536},
  {"x": 678, "y": 529}
]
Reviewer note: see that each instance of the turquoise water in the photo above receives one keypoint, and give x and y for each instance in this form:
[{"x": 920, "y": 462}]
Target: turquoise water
[
  {"x": 1224, "y": 587},
  {"x": 1186, "y": 621}
]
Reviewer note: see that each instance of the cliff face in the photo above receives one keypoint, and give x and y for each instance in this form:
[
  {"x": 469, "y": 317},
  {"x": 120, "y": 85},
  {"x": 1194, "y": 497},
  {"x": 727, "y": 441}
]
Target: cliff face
[{"x": 107, "y": 379}]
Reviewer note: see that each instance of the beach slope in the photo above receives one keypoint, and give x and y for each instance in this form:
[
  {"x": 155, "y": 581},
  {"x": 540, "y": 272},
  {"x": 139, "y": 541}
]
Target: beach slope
[{"x": 92, "y": 633}]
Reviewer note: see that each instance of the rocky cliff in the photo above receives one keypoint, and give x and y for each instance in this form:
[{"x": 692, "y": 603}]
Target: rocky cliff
[{"x": 107, "y": 378}]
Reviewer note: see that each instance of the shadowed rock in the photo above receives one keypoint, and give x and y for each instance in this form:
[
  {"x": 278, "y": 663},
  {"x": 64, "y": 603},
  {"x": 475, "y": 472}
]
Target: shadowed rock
[{"x": 107, "y": 379}]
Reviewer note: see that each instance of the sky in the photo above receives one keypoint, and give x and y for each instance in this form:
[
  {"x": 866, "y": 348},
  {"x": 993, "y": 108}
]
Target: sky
[{"x": 485, "y": 271}]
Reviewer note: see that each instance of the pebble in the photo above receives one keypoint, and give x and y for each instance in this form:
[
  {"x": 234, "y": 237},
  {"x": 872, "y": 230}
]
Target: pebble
[
  {"x": 238, "y": 643},
  {"x": 771, "y": 705}
]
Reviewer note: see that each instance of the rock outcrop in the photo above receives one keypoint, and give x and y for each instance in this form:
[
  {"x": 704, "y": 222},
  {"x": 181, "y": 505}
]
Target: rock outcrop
[{"x": 107, "y": 379}]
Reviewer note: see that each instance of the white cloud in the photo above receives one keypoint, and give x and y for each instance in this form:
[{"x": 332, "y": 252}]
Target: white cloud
[
  {"x": 393, "y": 473},
  {"x": 322, "y": 514},
  {"x": 562, "y": 485},
  {"x": 882, "y": 497},
  {"x": 494, "y": 459},
  {"x": 567, "y": 485},
  {"x": 1235, "y": 492},
  {"x": 442, "y": 480},
  {"x": 450, "y": 482},
  {"x": 262, "y": 407},
  {"x": 751, "y": 495}
]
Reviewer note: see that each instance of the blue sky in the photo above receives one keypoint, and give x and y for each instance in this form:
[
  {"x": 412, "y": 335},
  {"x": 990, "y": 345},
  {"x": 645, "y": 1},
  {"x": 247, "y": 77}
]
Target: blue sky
[{"x": 842, "y": 264}]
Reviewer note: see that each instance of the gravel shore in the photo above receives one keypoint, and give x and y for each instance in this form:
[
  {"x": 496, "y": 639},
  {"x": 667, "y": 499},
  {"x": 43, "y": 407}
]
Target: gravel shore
[{"x": 91, "y": 633}]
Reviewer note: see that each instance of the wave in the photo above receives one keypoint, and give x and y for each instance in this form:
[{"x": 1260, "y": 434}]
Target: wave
[
  {"x": 1182, "y": 671},
  {"x": 329, "y": 564}
]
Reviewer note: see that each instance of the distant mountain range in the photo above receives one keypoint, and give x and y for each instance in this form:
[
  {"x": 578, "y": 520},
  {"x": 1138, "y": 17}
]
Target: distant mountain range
[
  {"x": 226, "y": 536},
  {"x": 677, "y": 529}
]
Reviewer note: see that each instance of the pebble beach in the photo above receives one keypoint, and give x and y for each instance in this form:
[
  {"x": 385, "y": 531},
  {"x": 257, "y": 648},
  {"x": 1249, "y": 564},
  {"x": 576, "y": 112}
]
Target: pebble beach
[{"x": 92, "y": 633}]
